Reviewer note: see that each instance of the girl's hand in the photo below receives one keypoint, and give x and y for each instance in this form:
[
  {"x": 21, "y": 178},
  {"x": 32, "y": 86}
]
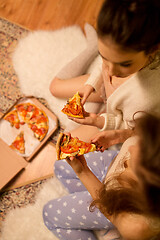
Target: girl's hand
[
  {"x": 89, "y": 119},
  {"x": 87, "y": 90},
  {"x": 78, "y": 164}
]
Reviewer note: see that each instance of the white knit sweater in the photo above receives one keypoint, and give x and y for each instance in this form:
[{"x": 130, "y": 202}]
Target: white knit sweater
[
  {"x": 141, "y": 92},
  {"x": 117, "y": 165}
]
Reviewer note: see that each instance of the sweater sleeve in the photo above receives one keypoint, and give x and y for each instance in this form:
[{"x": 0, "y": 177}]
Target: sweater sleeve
[{"x": 114, "y": 122}]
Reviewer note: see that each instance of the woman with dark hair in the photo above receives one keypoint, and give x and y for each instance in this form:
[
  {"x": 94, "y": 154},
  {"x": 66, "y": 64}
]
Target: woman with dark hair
[
  {"x": 124, "y": 187},
  {"x": 128, "y": 76}
]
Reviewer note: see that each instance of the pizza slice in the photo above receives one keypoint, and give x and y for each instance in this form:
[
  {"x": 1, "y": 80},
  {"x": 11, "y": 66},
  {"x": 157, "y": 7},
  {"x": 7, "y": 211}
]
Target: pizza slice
[
  {"x": 40, "y": 129},
  {"x": 18, "y": 144},
  {"x": 13, "y": 118},
  {"x": 26, "y": 111},
  {"x": 74, "y": 108},
  {"x": 39, "y": 124},
  {"x": 68, "y": 146}
]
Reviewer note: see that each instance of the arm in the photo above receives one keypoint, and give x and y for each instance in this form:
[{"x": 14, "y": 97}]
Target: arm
[
  {"x": 67, "y": 88},
  {"x": 72, "y": 79},
  {"x": 89, "y": 180}
]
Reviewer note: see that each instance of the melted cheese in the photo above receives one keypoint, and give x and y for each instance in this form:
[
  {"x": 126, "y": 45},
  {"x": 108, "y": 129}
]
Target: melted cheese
[
  {"x": 93, "y": 148},
  {"x": 65, "y": 155},
  {"x": 80, "y": 152},
  {"x": 77, "y": 98}
]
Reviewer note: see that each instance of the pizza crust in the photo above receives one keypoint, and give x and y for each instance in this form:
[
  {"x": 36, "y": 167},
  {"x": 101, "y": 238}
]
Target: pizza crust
[
  {"x": 71, "y": 115},
  {"x": 16, "y": 122},
  {"x": 58, "y": 145},
  {"x": 46, "y": 125}
]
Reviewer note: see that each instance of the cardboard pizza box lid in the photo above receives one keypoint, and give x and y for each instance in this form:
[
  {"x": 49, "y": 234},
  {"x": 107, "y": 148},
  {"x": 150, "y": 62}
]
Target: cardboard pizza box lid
[{"x": 10, "y": 163}]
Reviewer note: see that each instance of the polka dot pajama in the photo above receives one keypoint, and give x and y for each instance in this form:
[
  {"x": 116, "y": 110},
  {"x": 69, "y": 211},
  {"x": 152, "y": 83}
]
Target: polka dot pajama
[{"x": 69, "y": 217}]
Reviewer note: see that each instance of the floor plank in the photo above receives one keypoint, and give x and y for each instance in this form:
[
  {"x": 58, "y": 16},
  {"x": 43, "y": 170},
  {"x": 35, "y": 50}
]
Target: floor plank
[{"x": 50, "y": 14}]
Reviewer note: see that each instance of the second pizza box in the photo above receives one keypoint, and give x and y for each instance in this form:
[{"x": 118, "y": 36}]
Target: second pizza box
[{"x": 12, "y": 161}]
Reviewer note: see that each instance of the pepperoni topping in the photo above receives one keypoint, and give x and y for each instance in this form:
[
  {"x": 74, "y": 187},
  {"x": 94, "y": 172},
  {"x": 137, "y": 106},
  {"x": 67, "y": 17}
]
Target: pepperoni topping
[
  {"x": 17, "y": 144},
  {"x": 74, "y": 145},
  {"x": 69, "y": 149}
]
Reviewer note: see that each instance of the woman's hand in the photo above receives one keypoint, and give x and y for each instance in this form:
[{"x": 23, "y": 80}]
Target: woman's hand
[
  {"x": 108, "y": 138},
  {"x": 91, "y": 119},
  {"x": 87, "y": 90}
]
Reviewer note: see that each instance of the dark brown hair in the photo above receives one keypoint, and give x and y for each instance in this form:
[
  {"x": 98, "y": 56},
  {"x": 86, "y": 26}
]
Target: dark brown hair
[
  {"x": 127, "y": 196},
  {"x": 149, "y": 130},
  {"x": 124, "y": 197},
  {"x": 132, "y": 24}
]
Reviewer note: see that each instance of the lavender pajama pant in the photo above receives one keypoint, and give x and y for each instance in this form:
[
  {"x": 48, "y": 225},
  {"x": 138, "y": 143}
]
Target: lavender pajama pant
[{"x": 69, "y": 217}]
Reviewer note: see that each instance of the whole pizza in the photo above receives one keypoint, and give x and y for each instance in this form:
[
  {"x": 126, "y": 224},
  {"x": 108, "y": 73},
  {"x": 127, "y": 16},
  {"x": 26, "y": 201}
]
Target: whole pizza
[{"x": 35, "y": 118}]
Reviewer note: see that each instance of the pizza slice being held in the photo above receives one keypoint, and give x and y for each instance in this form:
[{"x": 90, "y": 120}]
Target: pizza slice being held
[
  {"x": 68, "y": 146},
  {"x": 13, "y": 118},
  {"x": 74, "y": 107},
  {"x": 18, "y": 144}
]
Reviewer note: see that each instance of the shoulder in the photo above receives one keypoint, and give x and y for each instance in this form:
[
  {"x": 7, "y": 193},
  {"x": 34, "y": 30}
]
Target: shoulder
[
  {"x": 147, "y": 75},
  {"x": 134, "y": 226}
]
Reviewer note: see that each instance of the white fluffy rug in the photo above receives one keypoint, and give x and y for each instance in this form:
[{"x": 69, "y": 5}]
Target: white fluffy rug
[
  {"x": 27, "y": 223},
  {"x": 40, "y": 56}
]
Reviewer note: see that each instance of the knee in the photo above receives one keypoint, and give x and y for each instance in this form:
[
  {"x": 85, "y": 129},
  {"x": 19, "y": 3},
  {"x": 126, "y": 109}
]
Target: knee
[
  {"x": 45, "y": 214},
  {"x": 58, "y": 168},
  {"x": 55, "y": 87},
  {"x": 47, "y": 218}
]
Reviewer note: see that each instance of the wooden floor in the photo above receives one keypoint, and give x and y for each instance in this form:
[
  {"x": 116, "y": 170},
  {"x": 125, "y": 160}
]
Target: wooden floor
[
  {"x": 50, "y": 14},
  {"x": 46, "y": 15}
]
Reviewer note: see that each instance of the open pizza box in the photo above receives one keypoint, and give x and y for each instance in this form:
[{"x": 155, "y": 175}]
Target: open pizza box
[{"x": 11, "y": 161}]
